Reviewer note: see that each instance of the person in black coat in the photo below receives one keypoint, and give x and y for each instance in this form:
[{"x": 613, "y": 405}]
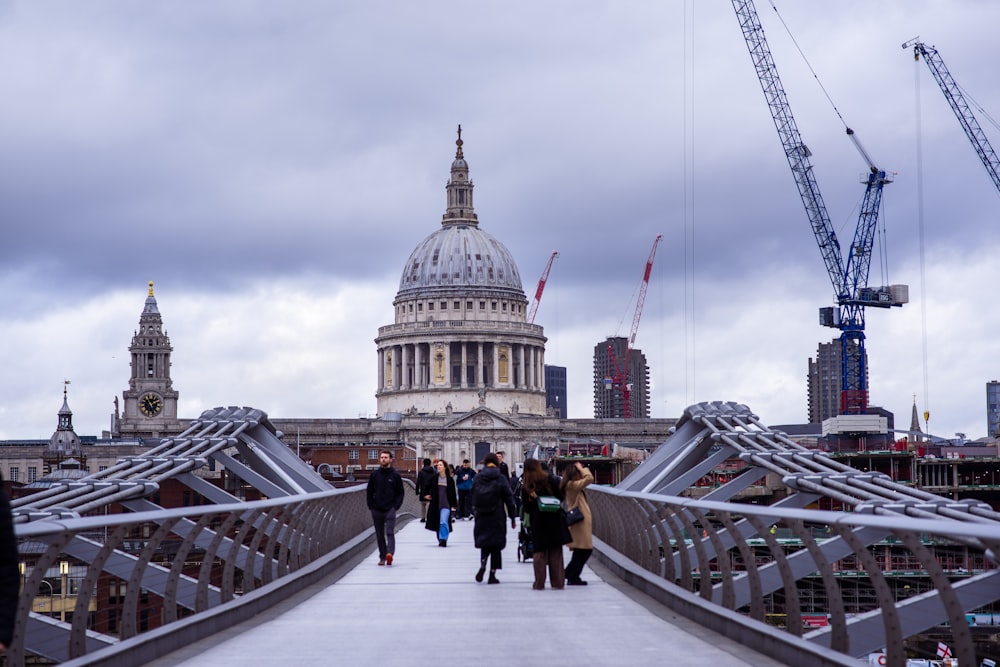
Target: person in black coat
[
  {"x": 10, "y": 578},
  {"x": 490, "y": 496},
  {"x": 442, "y": 500},
  {"x": 426, "y": 477},
  {"x": 385, "y": 497},
  {"x": 548, "y": 529}
]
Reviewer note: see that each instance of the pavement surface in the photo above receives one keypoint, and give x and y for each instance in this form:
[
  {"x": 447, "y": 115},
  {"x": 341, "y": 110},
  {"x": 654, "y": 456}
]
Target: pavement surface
[{"x": 428, "y": 609}]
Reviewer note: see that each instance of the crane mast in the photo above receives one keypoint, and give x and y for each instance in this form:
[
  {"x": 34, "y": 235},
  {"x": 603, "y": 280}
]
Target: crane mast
[
  {"x": 850, "y": 281},
  {"x": 956, "y": 100},
  {"x": 618, "y": 375},
  {"x": 541, "y": 288}
]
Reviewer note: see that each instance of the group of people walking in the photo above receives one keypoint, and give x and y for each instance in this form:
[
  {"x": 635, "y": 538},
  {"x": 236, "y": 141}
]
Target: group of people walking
[{"x": 487, "y": 497}]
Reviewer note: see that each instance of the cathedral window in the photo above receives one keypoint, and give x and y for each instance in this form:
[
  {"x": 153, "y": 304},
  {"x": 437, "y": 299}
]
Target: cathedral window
[
  {"x": 468, "y": 305},
  {"x": 444, "y": 305},
  {"x": 430, "y": 305},
  {"x": 458, "y": 305},
  {"x": 503, "y": 306},
  {"x": 493, "y": 305},
  {"x": 15, "y": 474},
  {"x": 420, "y": 307},
  {"x": 482, "y": 305}
]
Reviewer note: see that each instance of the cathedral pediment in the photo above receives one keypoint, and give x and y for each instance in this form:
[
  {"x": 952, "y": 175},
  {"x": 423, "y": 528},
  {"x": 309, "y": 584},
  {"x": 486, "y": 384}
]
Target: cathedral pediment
[{"x": 482, "y": 417}]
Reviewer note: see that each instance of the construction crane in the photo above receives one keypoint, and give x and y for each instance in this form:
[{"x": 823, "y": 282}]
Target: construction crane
[
  {"x": 618, "y": 375},
  {"x": 541, "y": 287},
  {"x": 850, "y": 281},
  {"x": 956, "y": 99}
]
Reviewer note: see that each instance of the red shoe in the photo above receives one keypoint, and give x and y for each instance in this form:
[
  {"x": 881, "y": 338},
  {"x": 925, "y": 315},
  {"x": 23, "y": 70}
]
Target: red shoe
[{"x": 388, "y": 559}]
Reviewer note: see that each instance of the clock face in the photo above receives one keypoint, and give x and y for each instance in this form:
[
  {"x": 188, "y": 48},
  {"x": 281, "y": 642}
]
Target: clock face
[{"x": 150, "y": 404}]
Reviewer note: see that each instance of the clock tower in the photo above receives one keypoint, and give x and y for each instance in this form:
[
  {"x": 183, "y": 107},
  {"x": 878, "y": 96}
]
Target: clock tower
[{"x": 150, "y": 402}]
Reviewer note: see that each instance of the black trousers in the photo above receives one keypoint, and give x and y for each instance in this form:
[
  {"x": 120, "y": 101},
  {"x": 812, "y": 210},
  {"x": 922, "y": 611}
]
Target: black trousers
[
  {"x": 495, "y": 556},
  {"x": 463, "y": 503},
  {"x": 576, "y": 563}
]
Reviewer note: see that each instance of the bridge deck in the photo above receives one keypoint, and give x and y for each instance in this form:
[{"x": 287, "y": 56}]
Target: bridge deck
[{"x": 427, "y": 606}]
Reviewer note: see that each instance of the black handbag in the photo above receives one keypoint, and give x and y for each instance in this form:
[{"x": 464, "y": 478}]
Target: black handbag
[{"x": 574, "y": 516}]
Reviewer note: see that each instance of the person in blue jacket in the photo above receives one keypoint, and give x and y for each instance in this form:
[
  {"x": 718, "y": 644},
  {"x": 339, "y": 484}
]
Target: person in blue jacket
[{"x": 463, "y": 482}]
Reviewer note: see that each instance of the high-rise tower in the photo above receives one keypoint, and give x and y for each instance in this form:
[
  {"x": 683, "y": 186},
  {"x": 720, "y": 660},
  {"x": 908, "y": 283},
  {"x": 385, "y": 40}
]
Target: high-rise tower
[
  {"x": 824, "y": 381},
  {"x": 608, "y": 401}
]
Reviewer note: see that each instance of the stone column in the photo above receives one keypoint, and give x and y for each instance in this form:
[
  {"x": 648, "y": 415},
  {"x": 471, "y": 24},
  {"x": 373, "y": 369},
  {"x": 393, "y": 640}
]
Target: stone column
[
  {"x": 404, "y": 361},
  {"x": 418, "y": 371},
  {"x": 531, "y": 367},
  {"x": 397, "y": 370},
  {"x": 522, "y": 382},
  {"x": 496, "y": 363},
  {"x": 381, "y": 369},
  {"x": 447, "y": 364},
  {"x": 465, "y": 365},
  {"x": 479, "y": 364},
  {"x": 541, "y": 367}
]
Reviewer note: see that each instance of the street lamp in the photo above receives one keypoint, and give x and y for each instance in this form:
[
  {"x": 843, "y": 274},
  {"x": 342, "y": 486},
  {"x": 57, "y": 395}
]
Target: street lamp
[{"x": 64, "y": 581}]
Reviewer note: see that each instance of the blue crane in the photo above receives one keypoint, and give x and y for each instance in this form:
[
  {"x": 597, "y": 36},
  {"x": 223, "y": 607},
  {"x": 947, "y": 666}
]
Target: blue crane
[
  {"x": 850, "y": 280},
  {"x": 956, "y": 99}
]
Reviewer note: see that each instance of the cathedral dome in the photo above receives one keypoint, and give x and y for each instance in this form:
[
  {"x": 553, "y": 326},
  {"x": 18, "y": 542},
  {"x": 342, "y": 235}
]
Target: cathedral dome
[{"x": 459, "y": 256}]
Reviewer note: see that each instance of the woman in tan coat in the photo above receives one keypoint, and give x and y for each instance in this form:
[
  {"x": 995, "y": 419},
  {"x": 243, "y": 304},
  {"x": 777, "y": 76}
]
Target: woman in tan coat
[{"x": 575, "y": 479}]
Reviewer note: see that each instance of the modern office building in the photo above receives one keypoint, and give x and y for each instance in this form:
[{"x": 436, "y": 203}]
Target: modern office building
[
  {"x": 555, "y": 391},
  {"x": 993, "y": 408}
]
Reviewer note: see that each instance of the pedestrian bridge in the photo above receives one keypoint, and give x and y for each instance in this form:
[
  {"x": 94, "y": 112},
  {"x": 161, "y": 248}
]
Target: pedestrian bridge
[{"x": 673, "y": 579}]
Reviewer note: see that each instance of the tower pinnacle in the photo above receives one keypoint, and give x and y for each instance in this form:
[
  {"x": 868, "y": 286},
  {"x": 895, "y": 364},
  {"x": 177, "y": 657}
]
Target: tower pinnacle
[{"x": 460, "y": 210}]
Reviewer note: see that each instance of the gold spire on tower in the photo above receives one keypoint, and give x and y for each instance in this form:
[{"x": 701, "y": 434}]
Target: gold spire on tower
[{"x": 150, "y": 288}]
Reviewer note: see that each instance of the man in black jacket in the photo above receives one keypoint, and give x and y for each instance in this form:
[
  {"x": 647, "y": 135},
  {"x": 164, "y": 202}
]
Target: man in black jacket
[
  {"x": 385, "y": 497},
  {"x": 10, "y": 577},
  {"x": 426, "y": 485}
]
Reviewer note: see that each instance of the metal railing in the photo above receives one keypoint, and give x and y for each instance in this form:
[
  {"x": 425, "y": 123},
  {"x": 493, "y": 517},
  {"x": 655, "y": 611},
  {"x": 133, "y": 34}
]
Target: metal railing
[
  {"x": 731, "y": 567},
  {"x": 146, "y": 581}
]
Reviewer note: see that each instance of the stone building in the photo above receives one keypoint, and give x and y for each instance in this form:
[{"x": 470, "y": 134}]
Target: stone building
[
  {"x": 150, "y": 402},
  {"x": 460, "y": 370}
]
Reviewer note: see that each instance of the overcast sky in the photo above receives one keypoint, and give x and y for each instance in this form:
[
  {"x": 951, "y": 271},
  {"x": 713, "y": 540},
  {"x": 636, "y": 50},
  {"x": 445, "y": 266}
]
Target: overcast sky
[{"x": 272, "y": 165}]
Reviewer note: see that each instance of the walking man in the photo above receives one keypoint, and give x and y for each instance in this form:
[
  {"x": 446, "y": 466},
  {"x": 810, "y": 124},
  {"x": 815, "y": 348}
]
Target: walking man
[
  {"x": 463, "y": 481},
  {"x": 385, "y": 496},
  {"x": 504, "y": 469},
  {"x": 426, "y": 485}
]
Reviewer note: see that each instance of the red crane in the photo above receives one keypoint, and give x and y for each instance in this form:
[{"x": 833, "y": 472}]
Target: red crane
[
  {"x": 541, "y": 287},
  {"x": 618, "y": 375}
]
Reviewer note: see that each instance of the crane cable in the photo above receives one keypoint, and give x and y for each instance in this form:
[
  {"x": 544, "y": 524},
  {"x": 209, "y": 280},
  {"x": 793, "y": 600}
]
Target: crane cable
[
  {"x": 848, "y": 218},
  {"x": 920, "y": 236},
  {"x": 688, "y": 203},
  {"x": 808, "y": 64}
]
